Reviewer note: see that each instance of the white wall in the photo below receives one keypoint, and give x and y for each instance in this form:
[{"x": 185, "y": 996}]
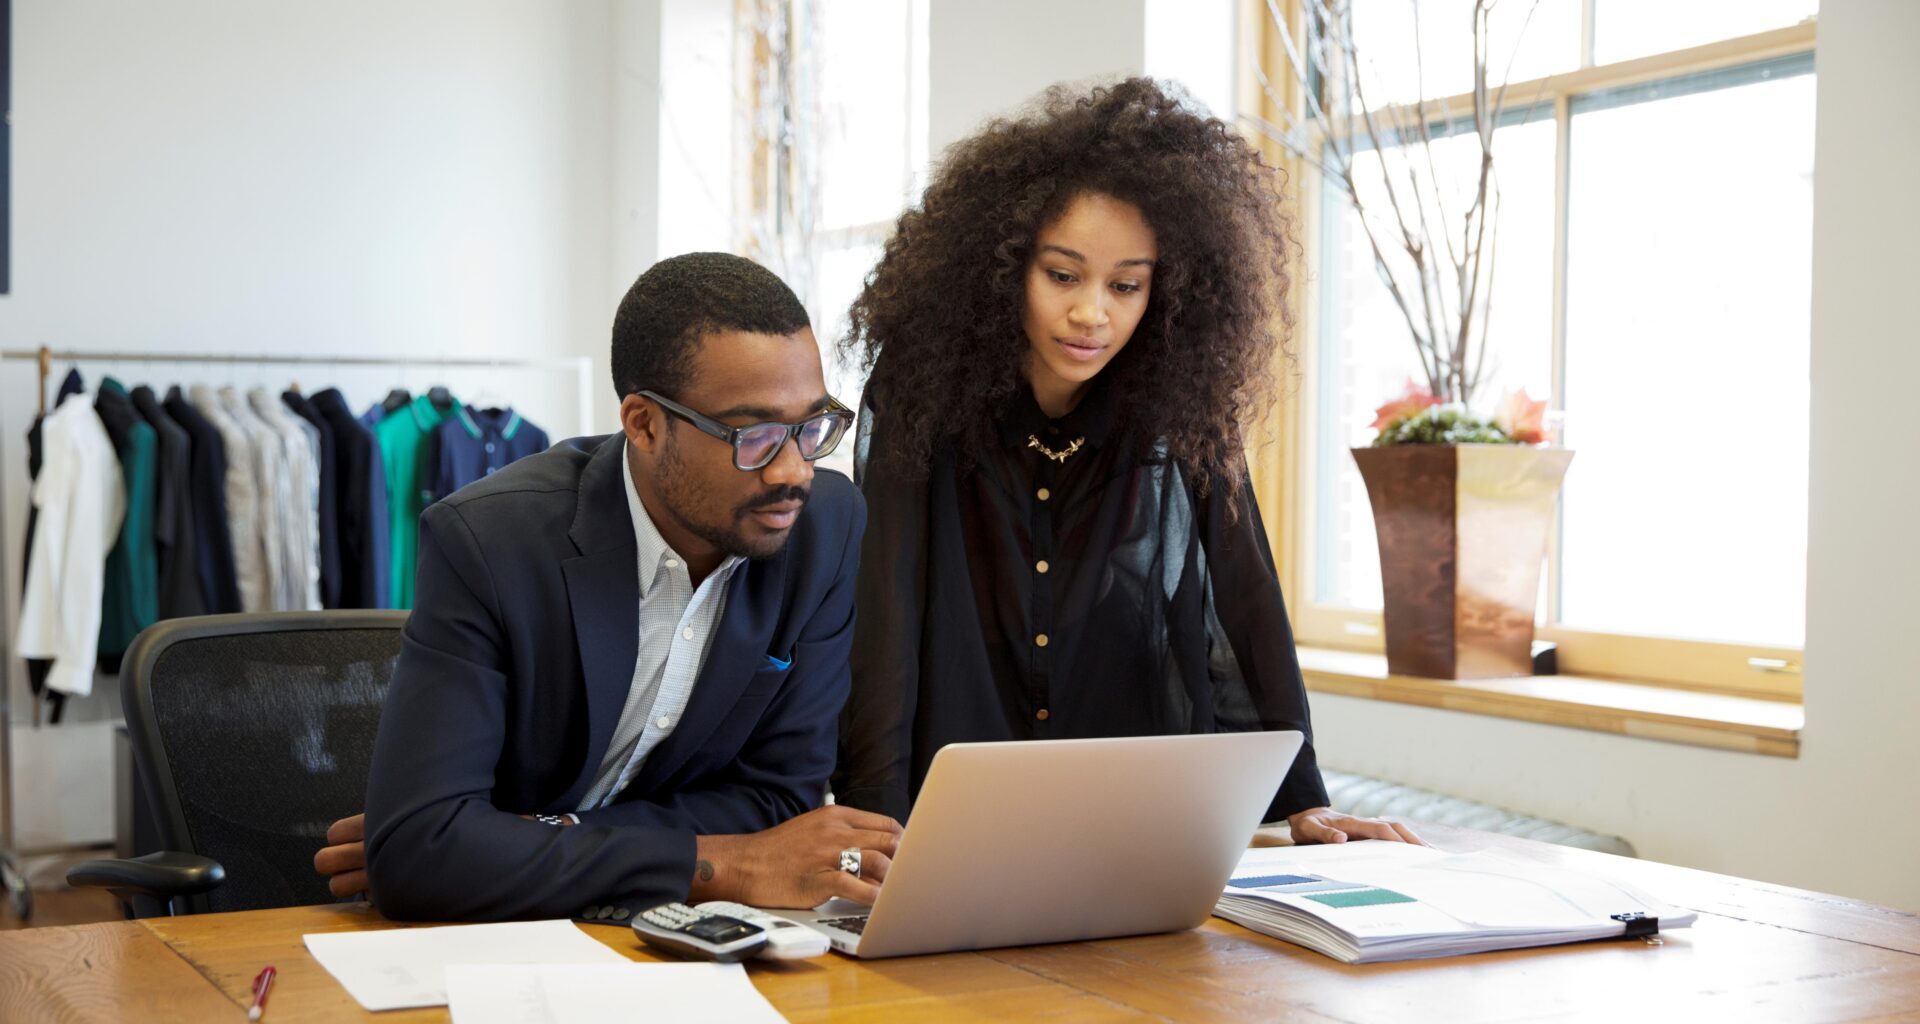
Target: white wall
[
  {"x": 395, "y": 179},
  {"x": 1194, "y": 43},
  {"x": 672, "y": 149},
  {"x": 1843, "y": 817},
  {"x": 987, "y": 57}
]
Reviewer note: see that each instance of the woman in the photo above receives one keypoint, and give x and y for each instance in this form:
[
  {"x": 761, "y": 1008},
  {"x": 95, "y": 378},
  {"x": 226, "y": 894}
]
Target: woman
[{"x": 1064, "y": 340}]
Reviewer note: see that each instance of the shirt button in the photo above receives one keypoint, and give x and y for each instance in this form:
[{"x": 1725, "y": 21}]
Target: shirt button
[
  {"x": 489, "y": 447},
  {"x": 1041, "y": 714},
  {"x": 1040, "y": 567},
  {"x": 1040, "y": 641},
  {"x": 673, "y": 563},
  {"x": 663, "y": 721},
  {"x": 1043, "y": 494},
  {"x": 687, "y": 633}
]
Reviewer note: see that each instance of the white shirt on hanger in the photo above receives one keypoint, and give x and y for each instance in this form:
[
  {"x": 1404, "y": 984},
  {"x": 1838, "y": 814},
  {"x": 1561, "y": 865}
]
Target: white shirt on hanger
[
  {"x": 82, "y": 499},
  {"x": 300, "y": 516}
]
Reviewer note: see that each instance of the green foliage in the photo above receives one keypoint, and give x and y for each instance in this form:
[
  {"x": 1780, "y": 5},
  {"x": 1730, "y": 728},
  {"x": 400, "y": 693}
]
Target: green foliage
[{"x": 1441, "y": 424}]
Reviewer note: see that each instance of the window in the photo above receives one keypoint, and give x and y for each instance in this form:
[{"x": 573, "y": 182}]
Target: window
[
  {"x": 836, "y": 129},
  {"x": 1653, "y": 277}
]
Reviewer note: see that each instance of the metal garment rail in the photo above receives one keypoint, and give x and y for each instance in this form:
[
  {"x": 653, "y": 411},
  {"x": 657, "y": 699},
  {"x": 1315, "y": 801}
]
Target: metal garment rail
[{"x": 12, "y": 872}]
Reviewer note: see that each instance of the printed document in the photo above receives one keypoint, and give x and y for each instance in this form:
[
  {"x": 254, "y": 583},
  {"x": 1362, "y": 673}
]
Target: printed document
[
  {"x": 404, "y": 967},
  {"x": 1363, "y": 902},
  {"x": 692, "y": 993}
]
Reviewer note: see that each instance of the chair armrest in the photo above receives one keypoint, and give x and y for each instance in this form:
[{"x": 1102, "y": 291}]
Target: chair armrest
[{"x": 162, "y": 875}]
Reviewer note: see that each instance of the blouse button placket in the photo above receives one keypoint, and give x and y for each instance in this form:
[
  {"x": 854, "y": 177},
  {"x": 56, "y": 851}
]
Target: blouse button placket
[{"x": 1040, "y": 511}]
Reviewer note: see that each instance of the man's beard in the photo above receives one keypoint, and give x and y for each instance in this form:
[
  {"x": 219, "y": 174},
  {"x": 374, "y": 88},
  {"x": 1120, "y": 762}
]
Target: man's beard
[{"x": 731, "y": 538}]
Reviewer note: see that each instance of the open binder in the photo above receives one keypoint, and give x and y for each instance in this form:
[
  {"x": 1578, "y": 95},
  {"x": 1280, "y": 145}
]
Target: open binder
[{"x": 1369, "y": 901}]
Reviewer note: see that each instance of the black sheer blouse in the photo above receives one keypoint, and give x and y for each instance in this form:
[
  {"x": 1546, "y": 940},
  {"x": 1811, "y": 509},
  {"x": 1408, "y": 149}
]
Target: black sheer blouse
[{"x": 1027, "y": 598}]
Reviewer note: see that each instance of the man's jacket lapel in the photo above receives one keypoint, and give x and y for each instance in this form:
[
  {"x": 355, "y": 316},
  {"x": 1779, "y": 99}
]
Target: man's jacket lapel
[
  {"x": 738, "y": 651},
  {"x": 603, "y": 587}
]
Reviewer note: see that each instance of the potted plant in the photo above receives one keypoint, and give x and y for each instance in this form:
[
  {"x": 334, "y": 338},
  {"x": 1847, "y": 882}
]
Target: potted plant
[
  {"x": 1463, "y": 507},
  {"x": 1463, "y": 504}
]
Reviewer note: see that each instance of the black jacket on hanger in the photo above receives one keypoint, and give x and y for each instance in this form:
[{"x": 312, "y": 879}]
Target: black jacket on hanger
[
  {"x": 360, "y": 490},
  {"x": 207, "y": 477},
  {"x": 330, "y": 569},
  {"x": 173, "y": 517}
]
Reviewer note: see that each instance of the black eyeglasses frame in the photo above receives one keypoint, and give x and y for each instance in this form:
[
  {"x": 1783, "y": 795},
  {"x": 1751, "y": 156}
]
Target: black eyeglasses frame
[{"x": 835, "y": 412}]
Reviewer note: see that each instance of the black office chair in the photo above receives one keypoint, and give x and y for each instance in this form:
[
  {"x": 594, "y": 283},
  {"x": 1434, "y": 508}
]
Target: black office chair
[{"x": 252, "y": 734}]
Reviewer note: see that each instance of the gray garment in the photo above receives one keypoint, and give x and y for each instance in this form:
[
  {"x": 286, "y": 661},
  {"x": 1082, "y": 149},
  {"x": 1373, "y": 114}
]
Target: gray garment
[
  {"x": 298, "y": 586},
  {"x": 270, "y": 498},
  {"x": 242, "y": 487}
]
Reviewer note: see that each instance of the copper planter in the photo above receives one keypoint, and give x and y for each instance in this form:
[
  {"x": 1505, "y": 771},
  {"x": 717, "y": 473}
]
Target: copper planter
[{"x": 1463, "y": 530}]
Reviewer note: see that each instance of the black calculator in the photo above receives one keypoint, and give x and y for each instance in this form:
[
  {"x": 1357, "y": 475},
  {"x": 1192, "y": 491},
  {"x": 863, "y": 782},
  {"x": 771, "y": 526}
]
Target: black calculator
[{"x": 700, "y": 934}]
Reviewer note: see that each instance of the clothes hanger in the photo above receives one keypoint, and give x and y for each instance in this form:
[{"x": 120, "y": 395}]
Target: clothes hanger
[{"x": 489, "y": 398}]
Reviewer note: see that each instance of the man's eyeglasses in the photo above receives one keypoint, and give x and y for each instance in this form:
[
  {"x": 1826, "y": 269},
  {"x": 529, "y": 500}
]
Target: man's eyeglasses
[{"x": 757, "y": 444}]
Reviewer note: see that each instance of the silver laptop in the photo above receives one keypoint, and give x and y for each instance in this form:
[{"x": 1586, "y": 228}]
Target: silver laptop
[{"x": 1060, "y": 840}]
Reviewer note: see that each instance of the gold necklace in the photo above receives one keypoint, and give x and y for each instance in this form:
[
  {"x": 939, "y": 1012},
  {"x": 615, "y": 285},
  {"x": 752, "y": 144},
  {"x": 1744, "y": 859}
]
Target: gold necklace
[{"x": 1059, "y": 456}]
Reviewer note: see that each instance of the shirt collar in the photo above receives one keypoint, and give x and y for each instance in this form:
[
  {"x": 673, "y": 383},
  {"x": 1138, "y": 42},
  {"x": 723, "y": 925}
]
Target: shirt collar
[
  {"x": 653, "y": 548},
  {"x": 480, "y": 422},
  {"x": 1091, "y": 419}
]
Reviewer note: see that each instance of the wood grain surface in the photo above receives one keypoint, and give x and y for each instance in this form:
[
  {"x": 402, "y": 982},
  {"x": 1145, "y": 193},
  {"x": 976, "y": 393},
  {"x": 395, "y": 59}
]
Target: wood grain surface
[{"x": 1758, "y": 953}]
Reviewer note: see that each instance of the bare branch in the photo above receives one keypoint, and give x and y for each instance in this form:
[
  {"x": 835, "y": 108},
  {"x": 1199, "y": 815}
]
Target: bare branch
[
  {"x": 1486, "y": 309},
  {"x": 1413, "y": 242}
]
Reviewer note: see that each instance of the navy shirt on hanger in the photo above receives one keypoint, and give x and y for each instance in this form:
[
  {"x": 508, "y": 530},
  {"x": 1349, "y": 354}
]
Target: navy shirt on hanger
[
  {"x": 474, "y": 443},
  {"x": 360, "y": 490}
]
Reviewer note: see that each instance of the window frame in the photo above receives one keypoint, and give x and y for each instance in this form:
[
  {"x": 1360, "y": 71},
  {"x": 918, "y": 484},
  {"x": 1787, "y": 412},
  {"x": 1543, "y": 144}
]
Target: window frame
[{"x": 1281, "y": 452}]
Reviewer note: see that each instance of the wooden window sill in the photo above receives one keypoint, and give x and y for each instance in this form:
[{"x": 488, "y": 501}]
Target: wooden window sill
[{"x": 1577, "y": 702}]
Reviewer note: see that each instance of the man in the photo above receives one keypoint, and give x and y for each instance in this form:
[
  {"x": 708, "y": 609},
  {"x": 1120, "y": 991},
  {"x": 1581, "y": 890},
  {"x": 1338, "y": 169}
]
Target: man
[{"x": 567, "y": 736}]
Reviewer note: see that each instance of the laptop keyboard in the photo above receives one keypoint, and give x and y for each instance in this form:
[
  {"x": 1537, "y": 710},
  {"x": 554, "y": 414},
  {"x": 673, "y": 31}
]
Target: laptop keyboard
[{"x": 857, "y": 925}]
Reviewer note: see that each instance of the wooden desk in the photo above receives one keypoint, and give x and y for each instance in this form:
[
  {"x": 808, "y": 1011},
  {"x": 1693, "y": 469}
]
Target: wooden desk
[{"x": 1759, "y": 953}]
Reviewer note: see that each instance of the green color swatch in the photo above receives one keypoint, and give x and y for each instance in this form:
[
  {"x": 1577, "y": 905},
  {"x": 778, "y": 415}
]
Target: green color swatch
[{"x": 1360, "y": 898}]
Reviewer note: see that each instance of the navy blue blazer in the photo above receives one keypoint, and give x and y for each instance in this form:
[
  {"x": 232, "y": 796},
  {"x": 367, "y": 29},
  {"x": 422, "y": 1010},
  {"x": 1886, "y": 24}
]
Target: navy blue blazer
[{"x": 516, "y": 663}]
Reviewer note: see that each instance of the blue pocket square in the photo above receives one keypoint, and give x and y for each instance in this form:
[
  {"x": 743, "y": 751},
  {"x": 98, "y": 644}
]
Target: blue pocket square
[{"x": 776, "y": 663}]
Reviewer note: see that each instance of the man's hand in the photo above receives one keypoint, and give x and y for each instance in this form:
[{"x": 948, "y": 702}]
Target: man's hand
[
  {"x": 1325, "y": 825},
  {"x": 344, "y": 859},
  {"x": 796, "y": 864}
]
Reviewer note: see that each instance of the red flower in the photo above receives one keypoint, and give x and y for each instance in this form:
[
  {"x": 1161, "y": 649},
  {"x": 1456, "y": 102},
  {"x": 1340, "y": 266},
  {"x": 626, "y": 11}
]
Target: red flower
[
  {"x": 1523, "y": 419},
  {"x": 1416, "y": 399}
]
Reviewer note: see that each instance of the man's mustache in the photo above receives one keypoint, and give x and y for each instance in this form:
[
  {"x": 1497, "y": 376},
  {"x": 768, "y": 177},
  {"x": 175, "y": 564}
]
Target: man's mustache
[{"x": 777, "y": 496}]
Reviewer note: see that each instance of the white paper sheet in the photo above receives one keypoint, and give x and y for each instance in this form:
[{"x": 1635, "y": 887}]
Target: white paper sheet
[
  {"x": 528, "y": 994},
  {"x": 406, "y": 967}
]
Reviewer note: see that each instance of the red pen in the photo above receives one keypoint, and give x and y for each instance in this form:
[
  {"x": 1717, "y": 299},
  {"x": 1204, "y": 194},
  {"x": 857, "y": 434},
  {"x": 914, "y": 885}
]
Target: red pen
[{"x": 260, "y": 986}]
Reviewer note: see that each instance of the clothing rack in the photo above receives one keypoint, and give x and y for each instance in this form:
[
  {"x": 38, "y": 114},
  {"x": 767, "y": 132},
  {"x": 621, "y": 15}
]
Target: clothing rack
[{"x": 12, "y": 872}]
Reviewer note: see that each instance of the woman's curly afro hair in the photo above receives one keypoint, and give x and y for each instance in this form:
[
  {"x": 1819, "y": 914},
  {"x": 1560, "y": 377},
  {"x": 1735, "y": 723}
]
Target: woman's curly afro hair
[{"x": 938, "y": 324}]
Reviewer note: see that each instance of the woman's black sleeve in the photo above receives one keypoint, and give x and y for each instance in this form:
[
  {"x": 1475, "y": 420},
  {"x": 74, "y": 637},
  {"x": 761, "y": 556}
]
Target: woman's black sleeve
[
  {"x": 876, "y": 727},
  {"x": 1246, "y": 607}
]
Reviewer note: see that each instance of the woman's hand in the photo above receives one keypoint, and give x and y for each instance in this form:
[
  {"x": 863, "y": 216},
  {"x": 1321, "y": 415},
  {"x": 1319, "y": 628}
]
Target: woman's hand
[{"x": 1326, "y": 825}]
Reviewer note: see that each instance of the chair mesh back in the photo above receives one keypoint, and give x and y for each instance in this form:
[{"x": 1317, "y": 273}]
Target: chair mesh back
[{"x": 268, "y": 738}]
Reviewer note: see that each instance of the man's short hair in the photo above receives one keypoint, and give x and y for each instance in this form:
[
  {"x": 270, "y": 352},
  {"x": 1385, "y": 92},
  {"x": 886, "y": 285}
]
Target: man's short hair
[{"x": 678, "y": 300}]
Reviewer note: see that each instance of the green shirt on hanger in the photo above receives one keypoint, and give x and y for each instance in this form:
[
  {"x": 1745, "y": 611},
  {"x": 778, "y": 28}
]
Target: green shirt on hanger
[
  {"x": 402, "y": 437},
  {"x": 130, "y": 601}
]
